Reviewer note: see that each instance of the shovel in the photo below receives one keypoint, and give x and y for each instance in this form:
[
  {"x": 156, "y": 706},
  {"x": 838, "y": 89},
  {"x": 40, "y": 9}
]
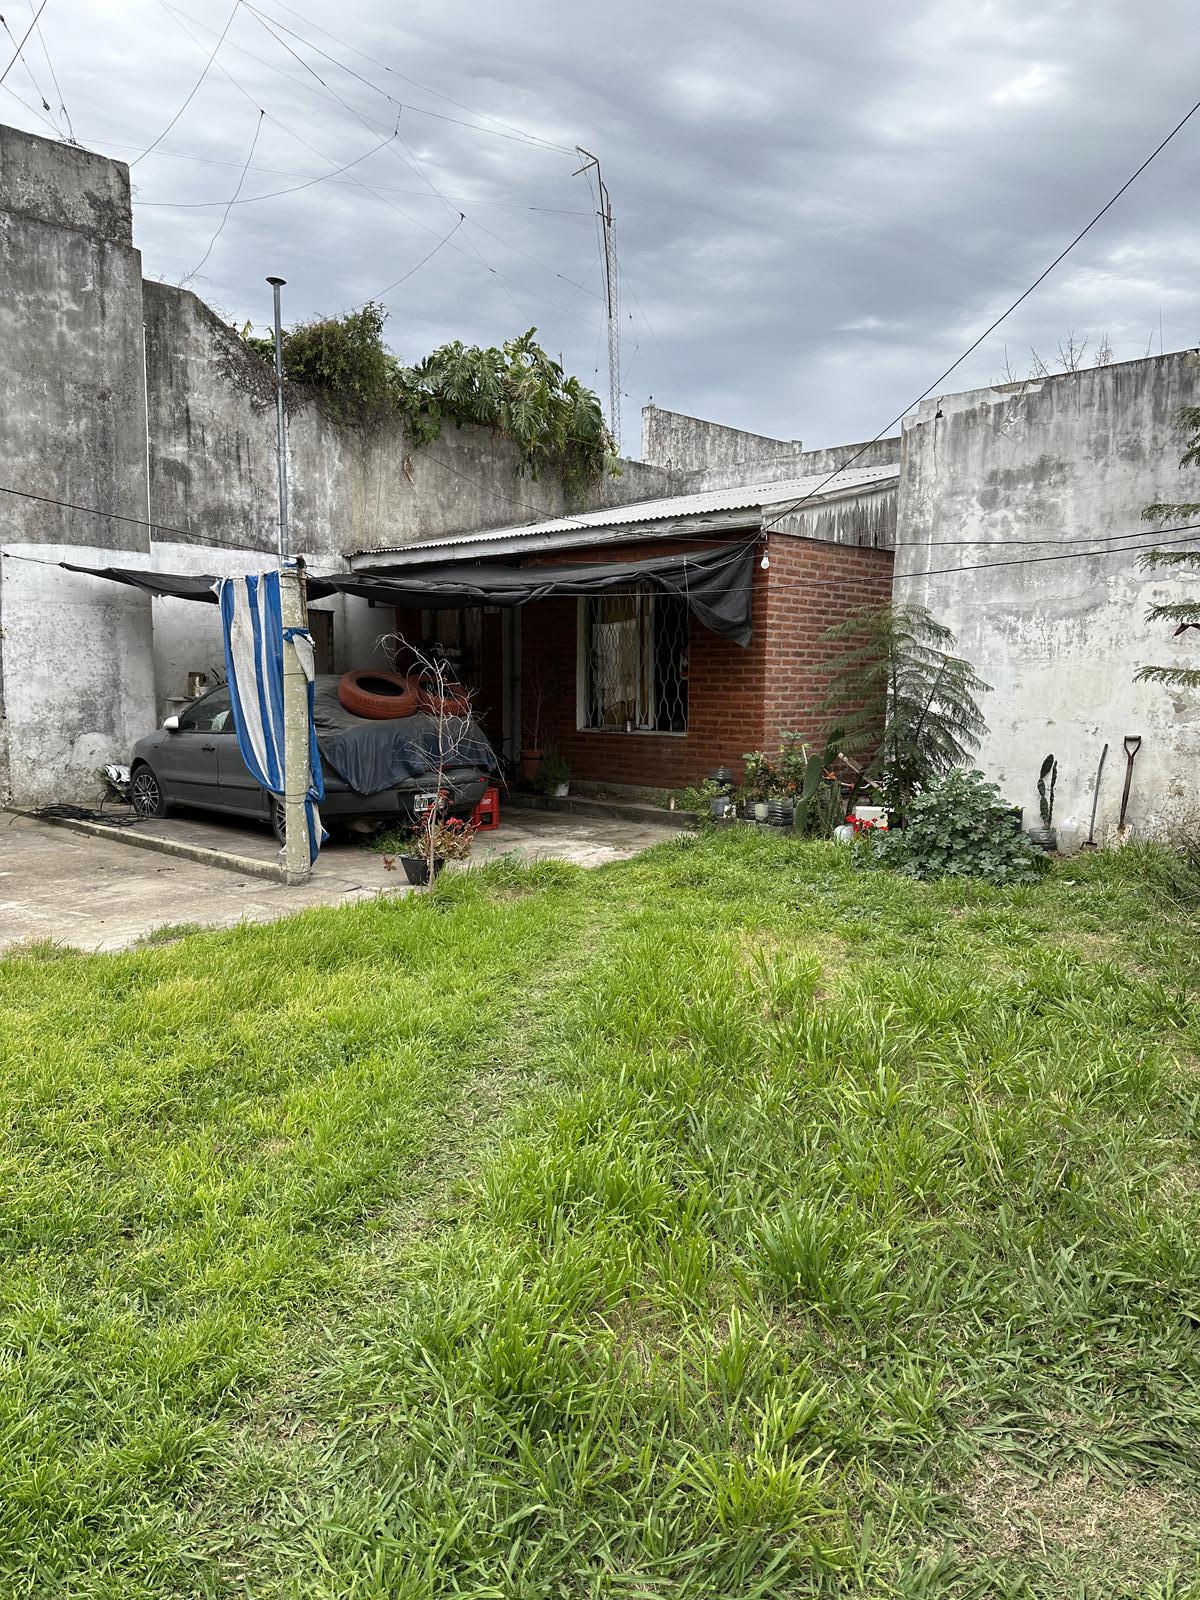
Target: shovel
[
  {"x": 1133, "y": 743},
  {"x": 1090, "y": 842}
]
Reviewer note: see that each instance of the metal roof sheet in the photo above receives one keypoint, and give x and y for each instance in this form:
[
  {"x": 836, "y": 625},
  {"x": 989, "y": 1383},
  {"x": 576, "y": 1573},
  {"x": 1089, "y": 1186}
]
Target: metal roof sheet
[{"x": 817, "y": 488}]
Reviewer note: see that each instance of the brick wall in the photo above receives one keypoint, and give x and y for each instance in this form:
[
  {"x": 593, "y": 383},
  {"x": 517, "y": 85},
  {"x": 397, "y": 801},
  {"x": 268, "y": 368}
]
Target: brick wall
[
  {"x": 738, "y": 700},
  {"x": 812, "y": 586}
]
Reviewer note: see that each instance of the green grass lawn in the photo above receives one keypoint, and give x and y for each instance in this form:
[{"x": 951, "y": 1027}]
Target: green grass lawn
[{"x": 723, "y": 1223}]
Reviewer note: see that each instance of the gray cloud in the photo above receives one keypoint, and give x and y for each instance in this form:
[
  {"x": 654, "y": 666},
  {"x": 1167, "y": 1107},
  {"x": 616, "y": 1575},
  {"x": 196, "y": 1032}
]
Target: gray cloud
[{"x": 817, "y": 207}]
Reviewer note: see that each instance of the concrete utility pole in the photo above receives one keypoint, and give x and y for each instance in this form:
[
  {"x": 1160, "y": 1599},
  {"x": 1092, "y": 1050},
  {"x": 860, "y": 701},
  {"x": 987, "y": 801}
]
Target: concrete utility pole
[{"x": 296, "y": 774}]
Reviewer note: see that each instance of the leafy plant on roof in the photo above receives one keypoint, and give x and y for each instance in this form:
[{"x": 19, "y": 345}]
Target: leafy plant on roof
[
  {"x": 1185, "y": 614},
  {"x": 517, "y": 390},
  {"x": 902, "y": 700}
]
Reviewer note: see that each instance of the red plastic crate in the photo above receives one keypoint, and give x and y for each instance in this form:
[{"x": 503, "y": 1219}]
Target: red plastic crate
[{"x": 486, "y": 814}]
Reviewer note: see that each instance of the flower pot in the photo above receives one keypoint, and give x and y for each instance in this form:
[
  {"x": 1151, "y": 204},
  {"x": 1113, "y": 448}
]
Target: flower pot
[
  {"x": 719, "y": 805},
  {"x": 761, "y": 810},
  {"x": 531, "y": 762},
  {"x": 781, "y": 811},
  {"x": 1044, "y": 838},
  {"x": 416, "y": 869},
  {"x": 561, "y": 791}
]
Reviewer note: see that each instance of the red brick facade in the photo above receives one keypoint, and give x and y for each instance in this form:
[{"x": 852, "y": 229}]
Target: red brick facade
[{"x": 738, "y": 699}]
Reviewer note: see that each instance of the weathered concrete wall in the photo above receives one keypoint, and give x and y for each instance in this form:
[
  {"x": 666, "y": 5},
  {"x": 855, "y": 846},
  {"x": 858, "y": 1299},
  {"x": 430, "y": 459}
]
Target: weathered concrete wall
[
  {"x": 999, "y": 475},
  {"x": 705, "y": 455},
  {"x": 135, "y": 398},
  {"x": 688, "y": 444},
  {"x": 73, "y": 428},
  {"x": 79, "y": 678}
]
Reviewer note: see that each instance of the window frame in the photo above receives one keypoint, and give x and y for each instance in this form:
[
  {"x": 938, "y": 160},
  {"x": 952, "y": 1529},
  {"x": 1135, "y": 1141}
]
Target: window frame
[{"x": 582, "y": 668}]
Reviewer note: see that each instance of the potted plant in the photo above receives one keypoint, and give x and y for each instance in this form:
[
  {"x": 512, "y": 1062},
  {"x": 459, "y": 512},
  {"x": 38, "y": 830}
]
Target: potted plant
[
  {"x": 435, "y": 841},
  {"x": 759, "y": 780},
  {"x": 1045, "y": 837},
  {"x": 554, "y": 773},
  {"x": 539, "y": 688}
]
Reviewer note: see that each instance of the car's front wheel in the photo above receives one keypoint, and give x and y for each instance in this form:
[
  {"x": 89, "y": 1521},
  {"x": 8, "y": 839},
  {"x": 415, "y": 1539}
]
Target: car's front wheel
[
  {"x": 145, "y": 793},
  {"x": 278, "y": 820}
]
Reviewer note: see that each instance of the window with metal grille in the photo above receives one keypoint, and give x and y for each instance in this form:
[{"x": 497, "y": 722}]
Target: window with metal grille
[{"x": 635, "y": 661}]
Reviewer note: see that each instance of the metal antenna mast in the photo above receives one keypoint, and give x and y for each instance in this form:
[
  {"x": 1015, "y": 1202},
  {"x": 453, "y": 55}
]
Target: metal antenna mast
[{"x": 611, "y": 292}]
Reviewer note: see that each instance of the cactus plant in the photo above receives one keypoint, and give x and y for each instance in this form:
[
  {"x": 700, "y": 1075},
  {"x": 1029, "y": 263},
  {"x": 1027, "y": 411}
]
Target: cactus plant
[{"x": 1046, "y": 797}]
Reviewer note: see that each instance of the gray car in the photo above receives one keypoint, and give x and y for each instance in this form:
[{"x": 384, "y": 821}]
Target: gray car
[{"x": 194, "y": 760}]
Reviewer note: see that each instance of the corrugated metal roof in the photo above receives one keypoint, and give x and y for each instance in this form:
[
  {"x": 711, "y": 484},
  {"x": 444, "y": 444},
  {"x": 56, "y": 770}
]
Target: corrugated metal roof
[{"x": 746, "y": 497}]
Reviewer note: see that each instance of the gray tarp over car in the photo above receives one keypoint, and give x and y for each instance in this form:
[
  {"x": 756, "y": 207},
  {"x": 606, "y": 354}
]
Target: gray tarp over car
[
  {"x": 715, "y": 583},
  {"x": 372, "y": 755}
]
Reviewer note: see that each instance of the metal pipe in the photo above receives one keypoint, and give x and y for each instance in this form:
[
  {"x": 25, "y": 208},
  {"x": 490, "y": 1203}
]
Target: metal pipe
[{"x": 280, "y": 424}]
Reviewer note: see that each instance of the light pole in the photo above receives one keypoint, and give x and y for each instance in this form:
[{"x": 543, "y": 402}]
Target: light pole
[
  {"x": 280, "y": 424},
  {"x": 296, "y": 776}
]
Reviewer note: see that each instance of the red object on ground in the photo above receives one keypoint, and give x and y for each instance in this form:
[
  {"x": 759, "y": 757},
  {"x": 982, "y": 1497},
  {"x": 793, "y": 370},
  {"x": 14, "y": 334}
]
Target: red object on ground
[
  {"x": 486, "y": 814},
  {"x": 379, "y": 695}
]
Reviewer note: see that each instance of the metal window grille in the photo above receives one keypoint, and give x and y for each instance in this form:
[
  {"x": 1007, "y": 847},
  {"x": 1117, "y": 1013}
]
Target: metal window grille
[{"x": 636, "y": 659}]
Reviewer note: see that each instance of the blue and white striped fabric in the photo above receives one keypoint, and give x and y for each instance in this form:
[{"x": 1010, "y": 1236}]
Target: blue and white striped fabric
[{"x": 253, "y": 627}]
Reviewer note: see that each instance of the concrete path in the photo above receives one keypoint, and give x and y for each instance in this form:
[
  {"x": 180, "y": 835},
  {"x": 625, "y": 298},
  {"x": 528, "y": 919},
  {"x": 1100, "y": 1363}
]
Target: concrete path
[{"x": 106, "y": 893}]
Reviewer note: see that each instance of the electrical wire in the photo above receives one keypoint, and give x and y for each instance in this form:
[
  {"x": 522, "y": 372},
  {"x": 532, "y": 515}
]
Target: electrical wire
[
  {"x": 37, "y": 88},
  {"x": 33, "y": 111},
  {"x": 283, "y": 172},
  {"x": 513, "y": 132},
  {"x": 654, "y": 336},
  {"x": 407, "y": 275},
  {"x": 195, "y": 88},
  {"x": 221, "y": 225},
  {"x": 62, "y": 103},
  {"x": 117, "y": 516},
  {"x": 471, "y": 252},
  {"x": 252, "y": 199},
  {"x": 991, "y": 328},
  {"x": 413, "y": 164},
  {"x": 24, "y": 36}
]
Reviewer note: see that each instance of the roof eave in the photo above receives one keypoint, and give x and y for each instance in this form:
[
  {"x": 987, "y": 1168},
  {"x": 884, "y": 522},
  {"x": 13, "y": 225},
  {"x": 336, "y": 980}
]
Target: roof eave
[{"x": 486, "y": 548}]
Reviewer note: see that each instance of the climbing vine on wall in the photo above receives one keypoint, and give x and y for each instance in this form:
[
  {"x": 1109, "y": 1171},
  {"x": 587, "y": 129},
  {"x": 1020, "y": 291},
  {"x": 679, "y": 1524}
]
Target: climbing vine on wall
[{"x": 518, "y": 390}]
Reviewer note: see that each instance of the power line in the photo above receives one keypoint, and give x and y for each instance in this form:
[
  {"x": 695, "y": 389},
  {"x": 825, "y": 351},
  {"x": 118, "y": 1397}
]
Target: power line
[
  {"x": 252, "y": 199},
  {"x": 117, "y": 516},
  {"x": 24, "y": 36},
  {"x": 519, "y": 134},
  {"x": 62, "y": 104},
  {"x": 472, "y": 253},
  {"x": 37, "y": 88},
  {"x": 661, "y": 351},
  {"x": 414, "y": 165},
  {"x": 1065, "y": 555},
  {"x": 282, "y": 172},
  {"x": 991, "y": 328},
  {"x": 405, "y": 276},
  {"x": 230, "y": 206},
  {"x": 211, "y": 58}
]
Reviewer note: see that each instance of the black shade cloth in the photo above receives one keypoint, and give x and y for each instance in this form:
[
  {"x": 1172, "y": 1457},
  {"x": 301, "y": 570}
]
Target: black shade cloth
[
  {"x": 371, "y": 755},
  {"x": 715, "y": 583}
]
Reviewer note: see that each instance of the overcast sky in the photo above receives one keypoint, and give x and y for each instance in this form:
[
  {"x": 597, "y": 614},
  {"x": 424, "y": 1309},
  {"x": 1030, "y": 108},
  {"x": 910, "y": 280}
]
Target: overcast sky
[{"x": 817, "y": 207}]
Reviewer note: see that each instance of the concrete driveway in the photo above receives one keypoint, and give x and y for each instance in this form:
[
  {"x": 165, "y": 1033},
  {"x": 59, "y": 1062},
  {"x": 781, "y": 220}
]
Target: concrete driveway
[{"x": 107, "y": 892}]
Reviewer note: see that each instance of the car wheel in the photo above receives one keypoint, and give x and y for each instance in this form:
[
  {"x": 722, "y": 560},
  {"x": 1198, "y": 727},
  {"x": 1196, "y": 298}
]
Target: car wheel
[
  {"x": 278, "y": 820},
  {"x": 145, "y": 794}
]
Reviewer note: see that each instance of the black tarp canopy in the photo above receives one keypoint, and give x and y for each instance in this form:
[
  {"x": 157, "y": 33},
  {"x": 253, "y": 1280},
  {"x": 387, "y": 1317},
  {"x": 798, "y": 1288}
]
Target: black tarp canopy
[{"x": 715, "y": 583}]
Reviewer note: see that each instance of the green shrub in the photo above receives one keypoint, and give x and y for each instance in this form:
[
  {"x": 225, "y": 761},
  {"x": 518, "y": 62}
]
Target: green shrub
[
  {"x": 518, "y": 390},
  {"x": 958, "y": 828}
]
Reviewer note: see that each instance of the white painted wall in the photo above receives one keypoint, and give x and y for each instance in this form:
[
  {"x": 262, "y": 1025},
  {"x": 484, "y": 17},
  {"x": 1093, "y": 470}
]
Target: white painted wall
[
  {"x": 1072, "y": 457},
  {"x": 85, "y": 689}
]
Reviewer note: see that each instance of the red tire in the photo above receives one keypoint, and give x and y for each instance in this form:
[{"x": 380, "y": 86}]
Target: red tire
[
  {"x": 378, "y": 695},
  {"x": 454, "y": 702}
]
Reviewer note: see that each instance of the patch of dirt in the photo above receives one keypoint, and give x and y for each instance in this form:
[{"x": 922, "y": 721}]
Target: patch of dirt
[{"x": 1126, "y": 1528}]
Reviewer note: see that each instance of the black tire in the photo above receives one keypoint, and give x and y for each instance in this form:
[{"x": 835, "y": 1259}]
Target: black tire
[
  {"x": 146, "y": 793},
  {"x": 278, "y": 819}
]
